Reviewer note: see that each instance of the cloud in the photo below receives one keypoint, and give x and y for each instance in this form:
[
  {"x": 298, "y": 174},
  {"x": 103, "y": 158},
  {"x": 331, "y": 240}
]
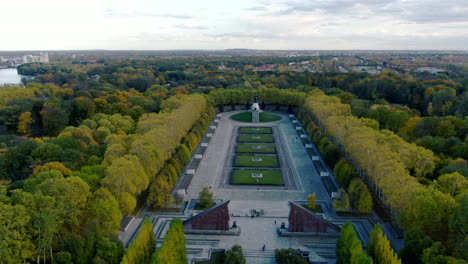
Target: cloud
[
  {"x": 191, "y": 27},
  {"x": 415, "y": 11},
  {"x": 136, "y": 14}
]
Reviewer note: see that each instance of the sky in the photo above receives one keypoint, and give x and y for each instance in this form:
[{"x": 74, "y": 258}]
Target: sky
[{"x": 222, "y": 24}]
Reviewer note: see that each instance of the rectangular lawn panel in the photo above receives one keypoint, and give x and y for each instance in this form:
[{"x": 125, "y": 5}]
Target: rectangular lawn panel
[
  {"x": 256, "y": 138},
  {"x": 256, "y": 148},
  {"x": 270, "y": 177},
  {"x": 269, "y": 161},
  {"x": 255, "y": 130}
]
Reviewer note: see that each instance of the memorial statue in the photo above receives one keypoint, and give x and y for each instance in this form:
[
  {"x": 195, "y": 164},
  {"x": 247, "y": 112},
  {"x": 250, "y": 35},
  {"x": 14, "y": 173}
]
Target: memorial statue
[{"x": 255, "y": 98}]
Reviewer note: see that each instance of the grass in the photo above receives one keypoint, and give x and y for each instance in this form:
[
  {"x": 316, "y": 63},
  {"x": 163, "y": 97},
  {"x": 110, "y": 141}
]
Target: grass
[
  {"x": 250, "y": 148},
  {"x": 268, "y": 117},
  {"x": 262, "y": 138},
  {"x": 270, "y": 177},
  {"x": 317, "y": 209},
  {"x": 247, "y": 117},
  {"x": 198, "y": 206},
  {"x": 270, "y": 161},
  {"x": 243, "y": 117},
  {"x": 255, "y": 130}
]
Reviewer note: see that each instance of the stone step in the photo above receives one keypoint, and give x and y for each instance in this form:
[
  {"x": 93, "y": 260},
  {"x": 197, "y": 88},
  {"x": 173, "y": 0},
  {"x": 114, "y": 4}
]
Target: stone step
[
  {"x": 255, "y": 117},
  {"x": 253, "y": 253}
]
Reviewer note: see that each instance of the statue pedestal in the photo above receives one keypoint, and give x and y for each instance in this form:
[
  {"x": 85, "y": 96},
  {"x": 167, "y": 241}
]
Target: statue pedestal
[{"x": 255, "y": 117}]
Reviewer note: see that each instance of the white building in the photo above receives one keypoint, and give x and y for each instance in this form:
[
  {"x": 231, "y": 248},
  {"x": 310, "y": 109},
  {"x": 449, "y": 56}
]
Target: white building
[{"x": 41, "y": 58}]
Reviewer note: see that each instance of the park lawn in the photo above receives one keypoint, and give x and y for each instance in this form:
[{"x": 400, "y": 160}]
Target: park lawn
[
  {"x": 269, "y": 117},
  {"x": 242, "y": 117},
  {"x": 262, "y": 138},
  {"x": 270, "y": 177},
  {"x": 255, "y": 130},
  {"x": 248, "y": 148},
  {"x": 270, "y": 161}
]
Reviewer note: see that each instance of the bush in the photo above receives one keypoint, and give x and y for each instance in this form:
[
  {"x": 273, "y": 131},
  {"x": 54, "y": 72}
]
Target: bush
[{"x": 288, "y": 256}]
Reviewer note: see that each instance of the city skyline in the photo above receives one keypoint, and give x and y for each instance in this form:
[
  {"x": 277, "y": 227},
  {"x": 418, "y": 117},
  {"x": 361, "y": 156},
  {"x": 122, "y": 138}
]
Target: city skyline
[{"x": 215, "y": 25}]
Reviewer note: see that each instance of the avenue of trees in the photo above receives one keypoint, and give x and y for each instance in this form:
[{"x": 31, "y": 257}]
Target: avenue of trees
[
  {"x": 90, "y": 140},
  {"x": 398, "y": 172}
]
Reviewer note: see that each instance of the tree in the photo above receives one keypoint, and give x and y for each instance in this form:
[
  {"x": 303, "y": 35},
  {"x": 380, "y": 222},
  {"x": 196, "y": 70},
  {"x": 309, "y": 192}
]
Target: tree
[
  {"x": 349, "y": 247},
  {"x": 235, "y": 256},
  {"x": 379, "y": 248},
  {"x": 24, "y": 121},
  {"x": 142, "y": 248},
  {"x": 206, "y": 198},
  {"x": 125, "y": 178},
  {"x": 344, "y": 173},
  {"x": 430, "y": 210},
  {"x": 173, "y": 248},
  {"x": 52, "y": 166},
  {"x": 415, "y": 243},
  {"x": 453, "y": 184},
  {"x": 15, "y": 242},
  {"x": 104, "y": 209},
  {"x": 360, "y": 196},
  {"x": 311, "y": 199},
  {"x": 341, "y": 202}
]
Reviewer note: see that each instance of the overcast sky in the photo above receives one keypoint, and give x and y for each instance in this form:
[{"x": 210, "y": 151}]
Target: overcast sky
[{"x": 222, "y": 24}]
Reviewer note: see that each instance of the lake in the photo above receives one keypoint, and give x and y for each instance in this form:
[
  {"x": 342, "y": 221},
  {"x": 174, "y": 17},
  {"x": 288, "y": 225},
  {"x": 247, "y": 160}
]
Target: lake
[{"x": 9, "y": 76}]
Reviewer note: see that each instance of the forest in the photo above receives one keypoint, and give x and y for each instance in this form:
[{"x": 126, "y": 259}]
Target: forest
[{"x": 84, "y": 144}]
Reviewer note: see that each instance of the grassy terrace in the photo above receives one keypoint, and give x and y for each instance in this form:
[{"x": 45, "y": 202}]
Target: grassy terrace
[
  {"x": 268, "y": 117},
  {"x": 270, "y": 177},
  {"x": 243, "y": 117},
  {"x": 270, "y": 161},
  {"x": 263, "y": 116},
  {"x": 255, "y": 130},
  {"x": 256, "y": 148},
  {"x": 252, "y": 138}
]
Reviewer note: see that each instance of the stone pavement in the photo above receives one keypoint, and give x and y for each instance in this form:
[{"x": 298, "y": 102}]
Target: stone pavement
[{"x": 258, "y": 231}]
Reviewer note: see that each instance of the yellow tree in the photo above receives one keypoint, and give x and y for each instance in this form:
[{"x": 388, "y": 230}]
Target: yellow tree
[{"x": 24, "y": 121}]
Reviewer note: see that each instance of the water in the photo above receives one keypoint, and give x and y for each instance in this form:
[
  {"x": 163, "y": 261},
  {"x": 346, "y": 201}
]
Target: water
[{"x": 9, "y": 76}]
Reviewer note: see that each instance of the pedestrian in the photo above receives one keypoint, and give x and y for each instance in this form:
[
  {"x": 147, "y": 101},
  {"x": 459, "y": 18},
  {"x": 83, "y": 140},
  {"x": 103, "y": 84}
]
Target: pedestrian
[
  {"x": 263, "y": 249},
  {"x": 275, "y": 222}
]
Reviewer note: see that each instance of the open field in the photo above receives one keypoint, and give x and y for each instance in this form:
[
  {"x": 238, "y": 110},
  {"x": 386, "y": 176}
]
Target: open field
[
  {"x": 270, "y": 177},
  {"x": 255, "y": 148},
  {"x": 270, "y": 161},
  {"x": 252, "y": 138},
  {"x": 255, "y": 130}
]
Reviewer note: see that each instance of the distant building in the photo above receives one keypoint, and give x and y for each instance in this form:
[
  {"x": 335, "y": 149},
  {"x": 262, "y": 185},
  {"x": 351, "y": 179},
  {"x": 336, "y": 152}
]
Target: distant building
[
  {"x": 44, "y": 58},
  {"x": 432, "y": 70}
]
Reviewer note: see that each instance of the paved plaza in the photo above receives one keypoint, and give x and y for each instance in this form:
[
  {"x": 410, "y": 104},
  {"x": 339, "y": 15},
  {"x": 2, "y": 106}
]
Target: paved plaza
[{"x": 299, "y": 175}]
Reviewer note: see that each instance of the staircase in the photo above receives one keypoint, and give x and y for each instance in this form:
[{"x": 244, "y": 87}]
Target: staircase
[
  {"x": 252, "y": 253},
  {"x": 255, "y": 117}
]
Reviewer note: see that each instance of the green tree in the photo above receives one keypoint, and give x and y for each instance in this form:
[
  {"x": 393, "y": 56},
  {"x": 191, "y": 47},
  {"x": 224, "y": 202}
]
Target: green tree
[
  {"x": 430, "y": 210},
  {"x": 173, "y": 248},
  {"x": 142, "y": 248},
  {"x": 415, "y": 242},
  {"x": 349, "y": 247},
  {"x": 341, "y": 202},
  {"x": 206, "y": 198},
  {"x": 235, "y": 256},
  {"x": 15, "y": 242},
  {"x": 360, "y": 196},
  {"x": 379, "y": 248},
  {"x": 344, "y": 173},
  {"x": 104, "y": 209}
]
